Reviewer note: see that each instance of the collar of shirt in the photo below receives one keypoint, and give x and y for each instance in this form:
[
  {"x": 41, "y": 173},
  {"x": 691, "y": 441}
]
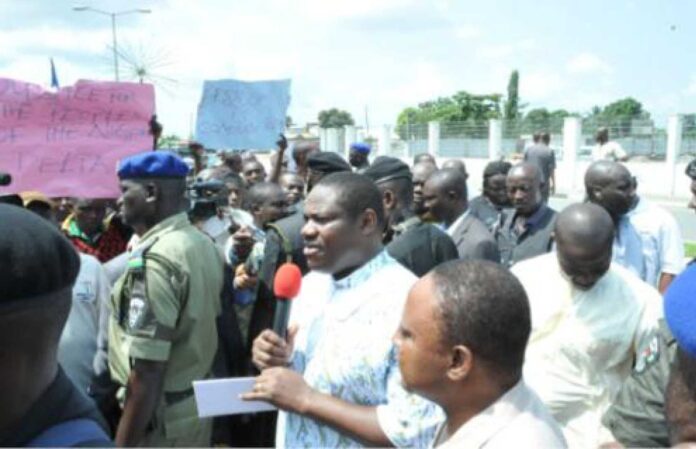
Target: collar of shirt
[
  {"x": 533, "y": 220},
  {"x": 176, "y": 221},
  {"x": 363, "y": 273},
  {"x": 457, "y": 222},
  {"x": 74, "y": 230},
  {"x": 482, "y": 427}
]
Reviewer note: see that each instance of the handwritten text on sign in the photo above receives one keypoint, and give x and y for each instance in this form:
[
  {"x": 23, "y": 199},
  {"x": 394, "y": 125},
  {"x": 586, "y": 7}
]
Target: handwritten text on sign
[
  {"x": 68, "y": 143},
  {"x": 242, "y": 115}
]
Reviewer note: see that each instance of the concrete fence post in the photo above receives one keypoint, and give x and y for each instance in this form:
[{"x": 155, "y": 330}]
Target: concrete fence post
[
  {"x": 674, "y": 142},
  {"x": 572, "y": 137},
  {"x": 434, "y": 138},
  {"x": 495, "y": 139}
]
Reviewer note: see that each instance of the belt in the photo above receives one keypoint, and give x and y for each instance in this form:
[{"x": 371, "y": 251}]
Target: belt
[{"x": 172, "y": 397}]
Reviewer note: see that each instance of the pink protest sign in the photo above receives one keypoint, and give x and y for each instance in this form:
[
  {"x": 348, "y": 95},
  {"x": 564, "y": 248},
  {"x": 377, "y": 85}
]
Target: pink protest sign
[{"x": 68, "y": 143}]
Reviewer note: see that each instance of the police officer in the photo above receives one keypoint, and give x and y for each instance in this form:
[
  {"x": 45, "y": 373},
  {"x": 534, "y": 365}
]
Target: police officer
[{"x": 162, "y": 332}]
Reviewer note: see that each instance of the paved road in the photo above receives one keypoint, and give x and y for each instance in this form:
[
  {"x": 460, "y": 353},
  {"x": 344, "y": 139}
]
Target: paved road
[{"x": 685, "y": 217}]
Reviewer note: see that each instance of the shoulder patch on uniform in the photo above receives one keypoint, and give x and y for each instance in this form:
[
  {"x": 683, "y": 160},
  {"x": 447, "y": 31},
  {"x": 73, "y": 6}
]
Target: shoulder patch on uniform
[
  {"x": 648, "y": 356},
  {"x": 137, "y": 308}
]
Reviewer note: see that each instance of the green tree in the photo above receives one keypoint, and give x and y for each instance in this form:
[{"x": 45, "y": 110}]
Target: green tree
[
  {"x": 618, "y": 115},
  {"x": 335, "y": 118},
  {"x": 512, "y": 103},
  {"x": 462, "y": 107},
  {"x": 170, "y": 141},
  {"x": 541, "y": 119}
]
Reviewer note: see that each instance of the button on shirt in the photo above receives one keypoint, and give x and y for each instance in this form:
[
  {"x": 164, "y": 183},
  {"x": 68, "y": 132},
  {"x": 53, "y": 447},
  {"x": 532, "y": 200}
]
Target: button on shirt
[
  {"x": 516, "y": 419},
  {"x": 343, "y": 348},
  {"x": 627, "y": 249},
  {"x": 663, "y": 247},
  {"x": 583, "y": 343}
]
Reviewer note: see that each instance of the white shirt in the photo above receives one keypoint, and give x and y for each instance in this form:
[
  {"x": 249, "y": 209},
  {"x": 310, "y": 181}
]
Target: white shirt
[
  {"x": 457, "y": 222},
  {"x": 609, "y": 151},
  {"x": 517, "y": 419},
  {"x": 583, "y": 343},
  {"x": 90, "y": 301},
  {"x": 663, "y": 247},
  {"x": 344, "y": 348}
]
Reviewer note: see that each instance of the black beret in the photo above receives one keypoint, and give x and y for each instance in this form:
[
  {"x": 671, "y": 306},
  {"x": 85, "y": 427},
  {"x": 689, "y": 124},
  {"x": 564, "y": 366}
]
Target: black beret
[
  {"x": 327, "y": 162},
  {"x": 496, "y": 168},
  {"x": 386, "y": 168},
  {"x": 36, "y": 259}
]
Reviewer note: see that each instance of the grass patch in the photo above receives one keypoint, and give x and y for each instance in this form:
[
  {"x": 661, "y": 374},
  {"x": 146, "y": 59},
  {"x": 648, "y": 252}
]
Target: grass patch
[{"x": 690, "y": 249}]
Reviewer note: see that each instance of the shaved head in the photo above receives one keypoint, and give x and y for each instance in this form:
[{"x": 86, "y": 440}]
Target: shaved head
[
  {"x": 584, "y": 234},
  {"x": 449, "y": 179},
  {"x": 424, "y": 157},
  {"x": 584, "y": 224},
  {"x": 604, "y": 172},
  {"x": 456, "y": 164},
  {"x": 610, "y": 185},
  {"x": 527, "y": 170}
]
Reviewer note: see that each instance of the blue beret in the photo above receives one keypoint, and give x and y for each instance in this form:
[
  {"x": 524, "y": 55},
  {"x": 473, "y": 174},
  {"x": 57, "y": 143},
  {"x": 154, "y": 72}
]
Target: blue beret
[
  {"x": 153, "y": 164},
  {"x": 680, "y": 309},
  {"x": 361, "y": 147}
]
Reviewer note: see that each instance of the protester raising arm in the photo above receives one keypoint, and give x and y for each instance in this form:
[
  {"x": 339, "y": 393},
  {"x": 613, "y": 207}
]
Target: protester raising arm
[{"x": 277, "y": 168}]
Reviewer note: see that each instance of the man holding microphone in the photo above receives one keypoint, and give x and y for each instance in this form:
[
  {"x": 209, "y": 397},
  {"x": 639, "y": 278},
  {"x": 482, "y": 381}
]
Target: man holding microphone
[{"x": 337, "y": 378}]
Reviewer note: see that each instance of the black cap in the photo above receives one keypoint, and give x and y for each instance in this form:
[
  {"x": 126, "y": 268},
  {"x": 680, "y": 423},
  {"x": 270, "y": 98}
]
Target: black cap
[
  {"x": 327, "y": 162},
  {"x": 386, "y": 168},
  {"x": 36, "y": 259}
]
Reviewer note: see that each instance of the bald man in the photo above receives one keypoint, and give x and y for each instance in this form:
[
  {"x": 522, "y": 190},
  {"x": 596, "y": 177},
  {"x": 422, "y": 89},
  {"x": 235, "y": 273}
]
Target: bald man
[
  {"x": 424, "y": 157},
  {"x": 446, "y": 200},
  {"x": 590, "y": 321},
  {"x": 456, "y": 164},
  {"x": 526, "y": 231},
  {"x": 421, "y": 172},
  {"x": 610, "y": 185}
]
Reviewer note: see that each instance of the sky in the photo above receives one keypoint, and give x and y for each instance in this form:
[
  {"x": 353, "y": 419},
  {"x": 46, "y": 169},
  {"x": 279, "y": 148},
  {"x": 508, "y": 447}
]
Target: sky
[{"x": 374, "y": 55}]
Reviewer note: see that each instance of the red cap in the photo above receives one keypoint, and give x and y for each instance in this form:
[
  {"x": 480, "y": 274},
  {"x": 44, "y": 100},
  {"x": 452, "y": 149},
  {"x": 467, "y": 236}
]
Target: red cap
[{"x": 287, "y": 281}]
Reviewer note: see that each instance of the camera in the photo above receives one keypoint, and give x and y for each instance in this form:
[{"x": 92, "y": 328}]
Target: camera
[{"x": 206, "y": 197}]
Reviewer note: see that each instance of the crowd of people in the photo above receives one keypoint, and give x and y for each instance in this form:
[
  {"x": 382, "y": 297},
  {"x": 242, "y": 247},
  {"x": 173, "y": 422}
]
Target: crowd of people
[{"x": 424, "y": 318}]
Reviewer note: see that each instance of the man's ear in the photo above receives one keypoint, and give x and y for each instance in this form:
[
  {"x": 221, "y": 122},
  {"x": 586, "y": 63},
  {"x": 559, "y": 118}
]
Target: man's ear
[
  {"x": 389, "y": 200},
  {"x": 152, "y": 192},
  {"x": 368, "y": 223},
  {"x": 461, "y": 363}
]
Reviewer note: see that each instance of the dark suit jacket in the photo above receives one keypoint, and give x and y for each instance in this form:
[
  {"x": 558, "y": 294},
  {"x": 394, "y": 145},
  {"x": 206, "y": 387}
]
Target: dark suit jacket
[{"x": 474, "y": 242}]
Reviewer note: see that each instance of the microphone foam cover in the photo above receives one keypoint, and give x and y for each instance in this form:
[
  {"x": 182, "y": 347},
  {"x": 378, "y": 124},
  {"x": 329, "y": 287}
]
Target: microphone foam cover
[{"x": 287, "y": 281}]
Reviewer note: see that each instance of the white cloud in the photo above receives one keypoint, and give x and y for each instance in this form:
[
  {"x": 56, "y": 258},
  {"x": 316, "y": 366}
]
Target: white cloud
[
  {"x": 343, "y": 9},
  {"x": 588, "y": 64},
  {"x": 467, "y": 32},
  {"x": 505, "y": 50},
  {"x": 18, "y": 42},
  {"x": 541, "y": 84},
  {"x": 691, "y": 88}
]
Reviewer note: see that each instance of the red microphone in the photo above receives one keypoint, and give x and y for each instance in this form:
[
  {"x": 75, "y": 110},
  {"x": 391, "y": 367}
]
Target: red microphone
[{"x": 286, "y": 285}]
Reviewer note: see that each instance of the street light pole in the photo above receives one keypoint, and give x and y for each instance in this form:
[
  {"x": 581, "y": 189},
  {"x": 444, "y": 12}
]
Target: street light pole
[
  {"x": 113, "y": 16},
  {"x": 113, "y": 34}
]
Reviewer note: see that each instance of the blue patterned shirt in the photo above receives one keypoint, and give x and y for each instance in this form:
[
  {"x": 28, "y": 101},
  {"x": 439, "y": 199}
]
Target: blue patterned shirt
[{"x": 344, "y": 348}]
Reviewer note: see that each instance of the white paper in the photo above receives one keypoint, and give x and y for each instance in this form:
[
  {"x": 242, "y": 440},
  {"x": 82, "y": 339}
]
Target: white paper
[{"x": 220, "y": 397}]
